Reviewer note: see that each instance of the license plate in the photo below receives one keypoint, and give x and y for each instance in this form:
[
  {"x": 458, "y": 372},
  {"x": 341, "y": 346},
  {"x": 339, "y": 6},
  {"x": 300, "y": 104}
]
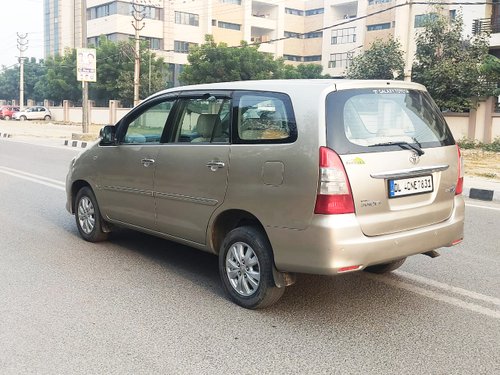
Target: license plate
[{"x": 410, "y": 186}]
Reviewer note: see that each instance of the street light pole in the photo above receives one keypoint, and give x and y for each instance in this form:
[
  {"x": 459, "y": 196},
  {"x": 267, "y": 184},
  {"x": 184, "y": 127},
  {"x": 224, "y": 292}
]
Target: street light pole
[
  {"x": 138, "y": 15},
  {"x": 85, "y": 84},
  {"x": 22, "y": 46}
]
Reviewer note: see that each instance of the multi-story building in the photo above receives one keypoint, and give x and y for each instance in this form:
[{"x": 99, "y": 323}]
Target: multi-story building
[{"x": 326, "y": 32}]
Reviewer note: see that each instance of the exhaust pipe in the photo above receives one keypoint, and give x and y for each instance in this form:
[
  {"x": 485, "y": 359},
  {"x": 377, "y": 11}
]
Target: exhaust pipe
[{"x": 432, "y": 254}]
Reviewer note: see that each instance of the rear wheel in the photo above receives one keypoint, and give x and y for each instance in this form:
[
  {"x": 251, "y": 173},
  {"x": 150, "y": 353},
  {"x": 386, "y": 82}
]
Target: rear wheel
[
  {"x": 385, "y": 267},
  {"x": 47, "y": 118},
  {"x": 246, "y": 268},
  {"x": 88, "y": 217},
  {"x": 7, "y": 118}
]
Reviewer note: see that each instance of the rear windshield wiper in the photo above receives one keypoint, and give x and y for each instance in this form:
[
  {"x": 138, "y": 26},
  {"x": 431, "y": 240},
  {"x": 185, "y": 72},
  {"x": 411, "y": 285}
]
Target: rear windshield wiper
[{"x": 403, "y": 145}]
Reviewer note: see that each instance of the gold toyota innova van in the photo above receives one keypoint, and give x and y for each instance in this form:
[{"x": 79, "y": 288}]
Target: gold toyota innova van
[{"x": 278, "y": 178}]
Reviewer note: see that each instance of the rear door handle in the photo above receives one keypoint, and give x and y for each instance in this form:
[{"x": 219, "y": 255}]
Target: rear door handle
[
  {"x": 147, "y": 162},
  {"x": 215, "y": 164}
]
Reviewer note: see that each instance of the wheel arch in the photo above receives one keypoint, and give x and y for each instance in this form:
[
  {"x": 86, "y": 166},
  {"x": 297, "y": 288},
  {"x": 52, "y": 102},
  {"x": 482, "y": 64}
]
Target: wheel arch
[
  {"x": 228, "y": 220},
  {"x": 75, "y": 187}
]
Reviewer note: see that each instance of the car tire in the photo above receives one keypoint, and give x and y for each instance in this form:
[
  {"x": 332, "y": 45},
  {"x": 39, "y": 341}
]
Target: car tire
[
  {"x": 252, "y": 285},
  {"x": 22, "y": 118},
  {"x": 47, "y": 118},
  {"x": 385, "y": 267},
  {"x": 88, "y": 216},
  {"x": 7, "y": 118}
]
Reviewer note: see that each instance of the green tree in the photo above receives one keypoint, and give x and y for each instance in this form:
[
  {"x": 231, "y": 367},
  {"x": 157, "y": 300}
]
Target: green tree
[
  {"x": 59, "y": 81},
  {"x": 490, "y": 68},
  {"x": 9, "y": 80},
  {"x": 449, "y": 65},
  {"x": 383, "y": 60},
  {"x": 115, "y": 72},
  {"x": 212, "y": 62}
]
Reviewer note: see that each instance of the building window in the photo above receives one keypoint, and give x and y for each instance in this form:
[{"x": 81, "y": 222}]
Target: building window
[
  {"x": 184, "y": 18},
  {"x": 378, "y": 26},
  {"x": 292, "y": 57},
  {"x": 290, "y": 34},
  {"x": 155, "y": 43},
  {"x": 295, "y": 12},
  {"x": 343, "y": 36},
  {"x": 453, "y": 14},
  {"x": 123, "y": 8},
  {"x": 235, "y": 2},
  {"x": 229, "y": 25},
  {"x": 340, "y": 60},
  {"x": 314, "y": 34},
  {"x": 374, "y": 2},
  {"x": 214, "y": 22},
  {"x": 312, "y": 58},
  {"x": 422, "y": 19},
  {"x": 183, "y": 47},
  {"x": 313, "y": 12}
]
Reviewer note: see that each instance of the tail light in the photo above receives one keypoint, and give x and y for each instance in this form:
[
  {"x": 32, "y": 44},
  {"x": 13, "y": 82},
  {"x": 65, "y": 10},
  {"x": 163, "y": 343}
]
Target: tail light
[
  {"x": 460, "y": 181},
  {"x": 334, "y": 192}
]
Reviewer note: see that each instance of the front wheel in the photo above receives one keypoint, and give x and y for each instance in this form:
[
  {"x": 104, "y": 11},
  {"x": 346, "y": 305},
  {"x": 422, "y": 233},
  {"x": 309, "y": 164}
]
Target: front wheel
[
  {"x": 47, "y": 118},
  {"x": 7, "y": 118},
  {"x": 23, "y": 118},
  {"x": 88, "y": 217},
  {"x": 385, "y": 267},
  {"x": 246, "y": 268}
]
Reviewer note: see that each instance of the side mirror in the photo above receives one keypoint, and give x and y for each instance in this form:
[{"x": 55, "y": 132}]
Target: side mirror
[{"x": 108, "y": 135}]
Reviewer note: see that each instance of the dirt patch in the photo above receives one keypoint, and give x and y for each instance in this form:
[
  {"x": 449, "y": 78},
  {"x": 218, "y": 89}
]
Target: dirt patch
[{"x": 481, "y": 163}]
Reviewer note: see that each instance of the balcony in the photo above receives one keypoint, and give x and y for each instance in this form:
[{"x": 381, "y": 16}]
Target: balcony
[{"x": 486, "y": 25}]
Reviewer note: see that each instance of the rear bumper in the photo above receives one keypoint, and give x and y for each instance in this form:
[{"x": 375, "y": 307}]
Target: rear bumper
[{"x": 332, "y": 242}]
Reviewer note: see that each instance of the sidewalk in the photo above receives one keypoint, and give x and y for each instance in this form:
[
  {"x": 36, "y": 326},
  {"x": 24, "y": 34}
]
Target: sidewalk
[{"x": 474, "y": 187}]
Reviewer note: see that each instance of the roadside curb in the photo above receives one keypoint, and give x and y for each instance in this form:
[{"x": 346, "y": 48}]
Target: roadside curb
[{"x": 79, "y": 144}]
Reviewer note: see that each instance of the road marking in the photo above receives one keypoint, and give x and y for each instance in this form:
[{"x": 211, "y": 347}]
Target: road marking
[
  {"x": 33, "y": 178},
  {"x": 449, "y": 288},
  {"x": 486, "y": 207},
  {"x": 435, "y": 295}
]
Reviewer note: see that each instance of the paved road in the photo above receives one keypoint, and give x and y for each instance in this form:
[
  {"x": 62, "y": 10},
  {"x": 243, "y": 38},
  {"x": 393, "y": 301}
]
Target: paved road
[{"x": 137, "y": 304}]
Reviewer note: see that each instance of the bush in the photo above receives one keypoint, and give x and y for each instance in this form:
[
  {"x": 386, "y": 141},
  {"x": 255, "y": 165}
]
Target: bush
[
  {"x": 493, "y": 146},
  {"x": 468, "y": 144}
]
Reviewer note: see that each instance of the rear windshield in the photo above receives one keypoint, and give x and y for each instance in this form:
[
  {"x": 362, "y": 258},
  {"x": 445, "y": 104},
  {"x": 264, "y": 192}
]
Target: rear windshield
[{"x": 369, "y": 120}]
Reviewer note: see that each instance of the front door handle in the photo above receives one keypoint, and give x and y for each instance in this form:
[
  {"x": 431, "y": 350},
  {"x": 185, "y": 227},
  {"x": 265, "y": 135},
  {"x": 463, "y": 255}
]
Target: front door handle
[
  {"x": 147, "y": 162},
  {"x": 215, "y": 164}
]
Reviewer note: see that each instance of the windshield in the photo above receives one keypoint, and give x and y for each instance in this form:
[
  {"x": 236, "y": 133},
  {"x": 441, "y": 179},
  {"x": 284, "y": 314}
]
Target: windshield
[{"x": 364, "y": 120}]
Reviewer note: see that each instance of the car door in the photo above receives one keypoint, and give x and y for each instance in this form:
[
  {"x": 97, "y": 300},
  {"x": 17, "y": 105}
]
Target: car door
[
  {"x": 192, "y": 167},
  {"x": 127, "y": 168}
]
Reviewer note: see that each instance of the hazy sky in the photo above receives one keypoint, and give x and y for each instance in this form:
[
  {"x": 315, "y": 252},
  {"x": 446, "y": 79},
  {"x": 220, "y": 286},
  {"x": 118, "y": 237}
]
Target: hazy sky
[{"x": 23, "y": 16}]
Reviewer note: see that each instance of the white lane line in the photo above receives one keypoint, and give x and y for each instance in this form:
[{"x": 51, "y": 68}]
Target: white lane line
[
  {"x": 436, "y": 296},
  {"x": 34, "y": 178},
  {"x": 449, "y": 288},
  {"x": 486, "y": 207}
]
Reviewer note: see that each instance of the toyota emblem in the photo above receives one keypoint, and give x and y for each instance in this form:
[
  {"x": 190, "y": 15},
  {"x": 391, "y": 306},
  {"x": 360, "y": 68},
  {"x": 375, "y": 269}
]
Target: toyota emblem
[{"x": 414, "y": 158}]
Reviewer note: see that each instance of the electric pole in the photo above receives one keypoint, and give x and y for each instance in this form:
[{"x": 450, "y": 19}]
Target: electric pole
[
  {"x": 85, "y": 84},
  {"x": 138, "y": 14},
  {"x": 22, "y": 46}
]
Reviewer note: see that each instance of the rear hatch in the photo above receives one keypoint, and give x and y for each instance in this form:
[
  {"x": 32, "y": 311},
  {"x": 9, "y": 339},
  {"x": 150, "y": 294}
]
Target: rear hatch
[{"x": 399, "y": 155}]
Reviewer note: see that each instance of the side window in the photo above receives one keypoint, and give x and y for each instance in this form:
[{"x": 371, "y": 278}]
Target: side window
[
  {"x": 148, "y": 126},
  {"x": 265, "y": 118},
  {"x": 203, "y": 121}
]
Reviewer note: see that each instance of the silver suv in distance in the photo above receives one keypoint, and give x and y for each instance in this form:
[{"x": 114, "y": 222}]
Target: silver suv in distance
[{"x": 278, "y": 178}]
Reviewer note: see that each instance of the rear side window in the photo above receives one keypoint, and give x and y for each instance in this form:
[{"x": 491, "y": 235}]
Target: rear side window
[
  {"x": 264, "y": 118},
  {"x": 360, "y": 120}
]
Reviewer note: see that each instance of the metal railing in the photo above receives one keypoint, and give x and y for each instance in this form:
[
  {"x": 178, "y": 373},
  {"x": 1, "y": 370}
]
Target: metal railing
[{"x": 485, "y": 25}]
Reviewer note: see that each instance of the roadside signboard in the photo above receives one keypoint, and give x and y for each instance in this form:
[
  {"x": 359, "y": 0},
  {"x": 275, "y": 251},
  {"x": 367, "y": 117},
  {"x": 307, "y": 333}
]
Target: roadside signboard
[{"x": 86, "y": 65}]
